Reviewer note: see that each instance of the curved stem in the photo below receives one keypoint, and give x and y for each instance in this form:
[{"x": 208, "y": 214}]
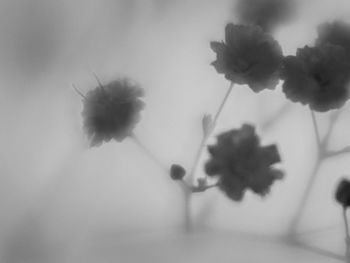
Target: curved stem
[
  {"x": 305, "y": 197},
  {"x": 347, "y": 236},
  {"x": 317, "y": 132},
  {"x": 187, "y": 218},
  {"x": 148, "y": 153},
  {"x": 306, "y": 194},
  {"x": 207, "y": 135},
  {"x": 217, "y": 115}
]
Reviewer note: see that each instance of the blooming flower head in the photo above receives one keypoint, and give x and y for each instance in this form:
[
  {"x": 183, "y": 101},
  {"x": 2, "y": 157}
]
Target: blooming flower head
[
  {"x": 317, "y": 76},
  {"x": 111, "y": 111},
  {"x": 248, "y": 56},
  {"x": 265, "y": 13},
  {"x": 342, "y": 194},
  {"x": 241, "y": 164},
  {"x": 336, "y": 33}
]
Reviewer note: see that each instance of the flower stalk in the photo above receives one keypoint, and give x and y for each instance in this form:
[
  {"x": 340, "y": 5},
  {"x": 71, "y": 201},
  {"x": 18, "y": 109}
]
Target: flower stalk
[
  {"x": 192, "y": 189},
  {"x": 347, "y": 235},
  {"x": 147, "y": 152},
  {"x": 312, "y": 178},
  {"x": 323, "y": 154}
]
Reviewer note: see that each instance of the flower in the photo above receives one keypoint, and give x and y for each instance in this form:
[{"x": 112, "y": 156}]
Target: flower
[
  {"x": 240, "y": 163},
  {"x": 248, "y": 56},
  {"x": 342, "y": 194},
  {"x": 336, "y": 33},
  {"x": 265, "y": 13},
  {"x": 317, "y": 76},
  {"x": 177, "y": 172},
  {"x": 111, "y": 111}
]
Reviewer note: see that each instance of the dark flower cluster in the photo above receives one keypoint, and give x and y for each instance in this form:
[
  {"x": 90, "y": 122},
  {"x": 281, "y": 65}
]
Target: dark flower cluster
[
  {"x": 248, "y": 56},
  {"x": 111, "y": 111},
  {"x": 241, "y": 163},
  {"x": 342, "y": 194},
  {"x": 267, "y": 14},
  {"x": 317, "y": 76}
]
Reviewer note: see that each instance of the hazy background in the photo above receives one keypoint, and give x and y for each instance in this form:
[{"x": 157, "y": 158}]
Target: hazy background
[{"x": 63, "y": 202}]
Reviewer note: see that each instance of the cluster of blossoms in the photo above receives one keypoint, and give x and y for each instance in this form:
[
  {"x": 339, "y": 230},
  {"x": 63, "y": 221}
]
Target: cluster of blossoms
[{"x": 316, "y": 76}]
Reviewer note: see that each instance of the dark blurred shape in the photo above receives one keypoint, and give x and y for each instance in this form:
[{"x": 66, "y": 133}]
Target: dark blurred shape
[
  {"x": 342, "y": 194},
  {"x": 317, "y": 76},
  {"x": 111, "y": 111},
  {"x": 177, "y": 172},
  {"x": 268, "y": 14},
  {"x": 241, "y": 163},
  {"x": 336, "y": 33},
  {"x": 248, "y": 56}
]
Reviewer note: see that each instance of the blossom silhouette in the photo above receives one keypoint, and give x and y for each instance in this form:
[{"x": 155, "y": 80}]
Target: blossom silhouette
[
  {"x": 111, "y": 111},
  {"x": 240, "y": 163},
  {"x": 342, "y": 194},
  {"x": 248, "y": 56},
  {"x": 336, "y": 33},
  {"x": 317, "y": 76},
  {"x": 267, "y": 14}
]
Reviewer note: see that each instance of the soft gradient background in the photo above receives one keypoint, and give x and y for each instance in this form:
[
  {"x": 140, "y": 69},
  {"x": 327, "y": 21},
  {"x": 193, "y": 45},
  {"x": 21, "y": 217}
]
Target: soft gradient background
[{"x": 63, "y": 202}]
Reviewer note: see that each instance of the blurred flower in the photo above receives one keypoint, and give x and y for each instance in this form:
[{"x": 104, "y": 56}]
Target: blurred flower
[
  {"x": 241, "y": 163},
  {"x": 177, "y": 172},
  {"x": 342, "y": 194},
  {"x": 317, "y": 76},
  {"x": 248, "y": 56},
  {"x": 111, "y": 111},
  {"x": 336, "y": 33},
  {"x": 264, "y": 13}
]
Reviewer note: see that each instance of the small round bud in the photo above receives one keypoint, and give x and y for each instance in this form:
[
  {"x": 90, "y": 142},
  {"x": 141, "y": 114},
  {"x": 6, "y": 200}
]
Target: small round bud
[
  {"x": 177, "y": 172},
  {"x": 342, "y": 194}
]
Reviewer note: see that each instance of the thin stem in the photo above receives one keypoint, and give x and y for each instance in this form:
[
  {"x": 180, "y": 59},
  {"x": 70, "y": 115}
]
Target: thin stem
[
  {"x": 321, "y": 252},
  {"x": 197, "y": 158},
  {"x": 310, "y": 183},
  {"x": 187, "y": 217},
  {"x": 347, "y": 236},
  {"x": 323, "y": 154},
  {"x": 307, "y": 191},
  {"x": 317, "y": 132},
  {"x": 79, "y": 92},
  {"x": 346, "y": 223},
  {"x": 98, "y": 80},
  {"x": 276, "y": 116},
  {"x": 148, "y": 152},
  {"x": 217, "y": 115},
  {"x": 333, "y": 120},
  {"x": 345, "y": 150},
  {"x": 207, "y": 135},
  {"x": 305, "y": 197}
]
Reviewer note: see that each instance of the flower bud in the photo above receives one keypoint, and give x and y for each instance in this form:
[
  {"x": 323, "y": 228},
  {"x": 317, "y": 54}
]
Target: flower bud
[{"x": 177, "y": 172}]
